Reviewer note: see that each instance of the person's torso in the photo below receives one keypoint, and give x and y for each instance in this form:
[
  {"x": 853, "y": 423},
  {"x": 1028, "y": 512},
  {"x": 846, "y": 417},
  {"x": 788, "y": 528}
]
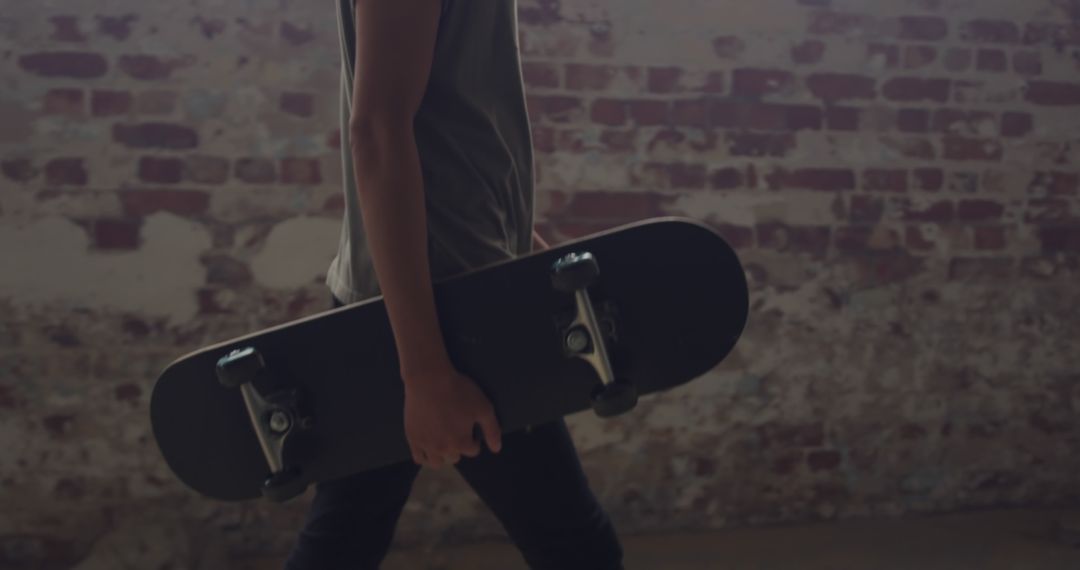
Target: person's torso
[{"x": 472, "y": 134}]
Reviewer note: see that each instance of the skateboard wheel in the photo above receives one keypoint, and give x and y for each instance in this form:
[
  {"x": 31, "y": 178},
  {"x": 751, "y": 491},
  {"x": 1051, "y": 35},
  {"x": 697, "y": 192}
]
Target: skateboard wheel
[
  {"x": 574, "y": 271},
  {"x": 614, "y": 399},
  {"x": 238, "y": 367},
  {"x": 280, "y": 487}
]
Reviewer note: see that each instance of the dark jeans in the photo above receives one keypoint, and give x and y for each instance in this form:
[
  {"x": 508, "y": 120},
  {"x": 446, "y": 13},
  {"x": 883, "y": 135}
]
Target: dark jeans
[{"x": 535, "y": 487}]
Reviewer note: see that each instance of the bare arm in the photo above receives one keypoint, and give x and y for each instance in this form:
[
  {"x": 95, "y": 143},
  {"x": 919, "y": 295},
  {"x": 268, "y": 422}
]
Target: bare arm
[{"x": 395, "y": 41}]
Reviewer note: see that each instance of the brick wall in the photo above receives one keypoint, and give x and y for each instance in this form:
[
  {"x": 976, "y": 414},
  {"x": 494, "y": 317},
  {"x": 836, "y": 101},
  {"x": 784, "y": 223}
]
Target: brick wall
[{"x": 900, "y": 178}]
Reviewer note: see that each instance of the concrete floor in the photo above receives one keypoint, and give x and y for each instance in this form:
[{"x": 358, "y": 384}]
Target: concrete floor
[{"x": 989, "y": 540}]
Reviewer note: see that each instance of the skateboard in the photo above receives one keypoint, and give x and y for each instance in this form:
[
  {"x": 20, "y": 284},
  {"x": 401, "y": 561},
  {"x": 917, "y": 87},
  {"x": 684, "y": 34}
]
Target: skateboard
[{"x": 589, "y": 324}]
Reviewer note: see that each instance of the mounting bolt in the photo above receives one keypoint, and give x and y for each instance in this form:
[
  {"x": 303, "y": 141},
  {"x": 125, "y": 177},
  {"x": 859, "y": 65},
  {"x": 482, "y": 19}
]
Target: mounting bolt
[
  {"x": 279, "y": 422},
  {"x": 577, "y": 340}
]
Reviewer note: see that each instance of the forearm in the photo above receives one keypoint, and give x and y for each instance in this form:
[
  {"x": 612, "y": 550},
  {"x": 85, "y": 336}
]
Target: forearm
[{"x": 391, "y": 194}]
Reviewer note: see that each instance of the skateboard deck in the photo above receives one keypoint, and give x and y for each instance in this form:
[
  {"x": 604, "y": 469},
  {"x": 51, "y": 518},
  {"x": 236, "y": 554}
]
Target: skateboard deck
[{"x": 591, "y": 323}]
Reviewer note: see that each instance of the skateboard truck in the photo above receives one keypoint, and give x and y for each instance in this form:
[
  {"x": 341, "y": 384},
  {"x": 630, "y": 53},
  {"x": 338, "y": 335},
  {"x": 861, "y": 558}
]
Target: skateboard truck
[
  {"x": 274, "y": 418},
  {"x": 583, "y": 338}
]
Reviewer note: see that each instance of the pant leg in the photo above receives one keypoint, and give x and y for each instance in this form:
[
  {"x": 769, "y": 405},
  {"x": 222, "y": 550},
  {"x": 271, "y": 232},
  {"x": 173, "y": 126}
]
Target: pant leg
[
  {"x": 536, "y": 487},
  {"x": 351, "y": 520}
]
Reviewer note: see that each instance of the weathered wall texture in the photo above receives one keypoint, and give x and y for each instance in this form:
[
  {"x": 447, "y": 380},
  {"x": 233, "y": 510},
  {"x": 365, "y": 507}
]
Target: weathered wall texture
[{"x": 900, "y": 177}]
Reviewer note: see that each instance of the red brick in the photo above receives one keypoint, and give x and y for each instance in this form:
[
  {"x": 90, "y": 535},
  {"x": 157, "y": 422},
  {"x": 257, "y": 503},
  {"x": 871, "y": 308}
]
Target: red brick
[
  {"x": 298, "y": 104},
  {"x": 748, "y": 82},
  {"x": 71, "y": 65},
  {"x": 647, "y": 112},
  {"x": 64, "y": 102},
  {"x": 1027, "y": 63},
  {"x": 116, "y": 234},
  {"x": 726, "y": 179},
  {"x": 961, "y": 148},
  {"x": 923, "y": 28},
  {"x": 990, "y": 31},
  {"x": 979, "y": 210},
  {"x": 110, "y": 103},
  {"x": 738, "y": 237},
  {"x": 254, "y": 170},
  {"x": 690, "y": 113},
  {"x": 774, "y": 145},
  {"x": 585, "y": 77},
  {"x": 161, "y": 170},
  {"x": 19, "y": 170},
  {"x": 156, "y": 135},
  {"x": 885, "y": 180},
  {"x": 1015, "y": 124},
  {"x": 66, "y": 29},
  {"x": 118, "y": 27},
  {"x": 619, "y": 141},
  {"x": 838, "y": 86},
  {"x": 928, "y": 179},
  {"x": 917, "y": 57},
  {"x": 1059, "y": 239},
  {"x": 989, "y": 238},
  {"x": 141, "y": 203},
  {"x": 823, "y": 179},
  {"x": 916, "y": 89},
  {"x": 808, "y": 52},
  {"x": 992, "y": 60},
  {"x": 958, "y": 59},
  {"x": 540, "y": 74},
  {"x": 841, "y": 118},
  {"x": 1053, "y": 93},
  {"x": 609, "y": 112},
  {"x": 614, "y": 206},
  {"x": 865, "y": 209},
  {"x": 66, "y": 172},
  {"x": 913, "y": 120},
  {"x": 664, "y": 79}
]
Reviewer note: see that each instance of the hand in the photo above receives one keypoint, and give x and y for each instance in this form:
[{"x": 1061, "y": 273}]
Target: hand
[{"x": 441, "y": 409}]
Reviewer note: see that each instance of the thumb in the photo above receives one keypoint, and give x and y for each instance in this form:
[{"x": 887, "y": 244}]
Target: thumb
[{"x": 492, "y": 432}]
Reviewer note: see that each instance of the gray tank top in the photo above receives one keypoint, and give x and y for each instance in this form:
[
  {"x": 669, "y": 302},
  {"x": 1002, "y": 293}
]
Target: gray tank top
[{"x": 475, "y": 147}]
